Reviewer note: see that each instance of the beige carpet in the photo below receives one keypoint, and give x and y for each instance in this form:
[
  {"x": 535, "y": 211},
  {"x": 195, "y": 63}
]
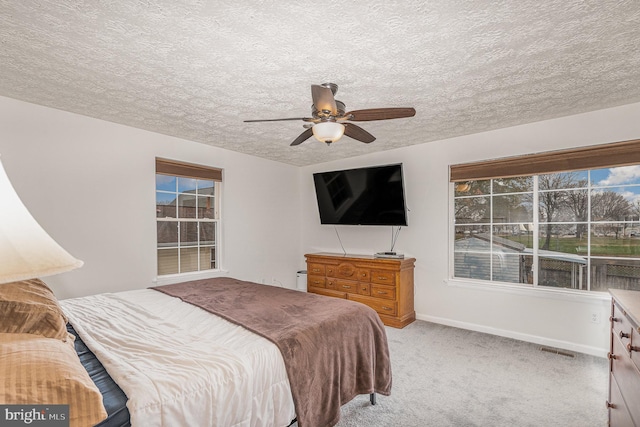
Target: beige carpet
[{"x": 445, "y": 376}]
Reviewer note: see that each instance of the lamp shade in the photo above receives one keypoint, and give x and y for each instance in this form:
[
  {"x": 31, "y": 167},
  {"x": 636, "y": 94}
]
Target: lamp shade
[
  {"x": 328, "y": 131},
  {"x": 26, "y": 250}
]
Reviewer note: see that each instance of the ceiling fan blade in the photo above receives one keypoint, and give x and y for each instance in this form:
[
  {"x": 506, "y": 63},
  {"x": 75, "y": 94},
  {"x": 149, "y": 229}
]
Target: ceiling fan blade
[
  {"x": 303, "y": 137},
  {"x": 380, "y": 114},
  {"x": 323, "y": 99},
  {"x": 306, "y": 119},
  {"x": 356, "y": 132}
]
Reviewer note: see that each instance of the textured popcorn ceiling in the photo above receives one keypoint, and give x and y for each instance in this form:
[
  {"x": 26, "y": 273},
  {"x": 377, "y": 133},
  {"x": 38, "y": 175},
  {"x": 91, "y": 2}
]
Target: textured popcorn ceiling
[{"x": 197, "y": 69}]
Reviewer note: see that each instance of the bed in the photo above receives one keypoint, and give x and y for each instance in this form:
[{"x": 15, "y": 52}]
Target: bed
[{"x": 223, "y": 352}]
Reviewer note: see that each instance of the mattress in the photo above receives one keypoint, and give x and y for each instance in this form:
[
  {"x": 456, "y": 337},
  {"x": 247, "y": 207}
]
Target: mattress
[{"x": 113, "y": 398}]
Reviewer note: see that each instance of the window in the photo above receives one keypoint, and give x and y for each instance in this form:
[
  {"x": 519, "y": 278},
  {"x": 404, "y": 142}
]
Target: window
[
  {"x": 574, "y": 229},
  {"x": 187, "y": 217}
]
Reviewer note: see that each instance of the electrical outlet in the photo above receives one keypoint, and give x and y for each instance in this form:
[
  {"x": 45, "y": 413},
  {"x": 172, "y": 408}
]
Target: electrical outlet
[{"x": 595, "y": 317}]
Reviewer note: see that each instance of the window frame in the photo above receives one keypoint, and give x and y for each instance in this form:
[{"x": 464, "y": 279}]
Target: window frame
[
  {"x": 178, "y": 170},
  {"x": 591, "y": 158}
]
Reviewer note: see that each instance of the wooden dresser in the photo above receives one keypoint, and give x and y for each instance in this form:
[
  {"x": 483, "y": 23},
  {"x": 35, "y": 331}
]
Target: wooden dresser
[
  {"x": 384, "y": 284},
  {"x": 624, "y": 359}
]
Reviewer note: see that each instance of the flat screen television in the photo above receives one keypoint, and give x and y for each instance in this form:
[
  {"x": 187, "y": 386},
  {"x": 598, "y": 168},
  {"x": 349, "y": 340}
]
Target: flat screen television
[{"x": 364, "y": 196}]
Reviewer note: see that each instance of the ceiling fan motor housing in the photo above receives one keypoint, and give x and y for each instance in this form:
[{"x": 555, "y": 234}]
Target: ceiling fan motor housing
[
  {"x": 340, "y": 107},
  {"x": 331, "y": 121},
  {"x": 332, "y": 86}
]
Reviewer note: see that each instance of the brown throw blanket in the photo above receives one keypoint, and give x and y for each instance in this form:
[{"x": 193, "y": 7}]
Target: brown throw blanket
[{"x": 333, "y": 349}]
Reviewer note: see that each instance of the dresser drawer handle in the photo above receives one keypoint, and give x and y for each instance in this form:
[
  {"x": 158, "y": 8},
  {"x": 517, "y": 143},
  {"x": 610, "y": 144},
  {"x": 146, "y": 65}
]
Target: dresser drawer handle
[
  {"x": 383, "y": 292},
  {"x": 623, "y": 335},
  {"x": 346, "y": 286},
  {"x": 316, "y": 282},
  {"x": 631, "y": 348},
  {"x": 382, "y": 277},
  {"x": 387, "y": 308},
  {"x": 364, "y": 288},
  {"x": 364, "y": 274},
  {"x": 610, "y": 405},
  {"x": 316, "y": 270},
  {"x": 613, "y": 319},
  {"x": 612, "y": 356}
]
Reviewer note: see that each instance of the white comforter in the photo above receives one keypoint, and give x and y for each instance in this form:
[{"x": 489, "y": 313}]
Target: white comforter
[{"x": 180, "y": 365}]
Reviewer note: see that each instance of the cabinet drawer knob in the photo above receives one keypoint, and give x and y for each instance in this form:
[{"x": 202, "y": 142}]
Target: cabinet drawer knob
[
  {"x": 613, "y": 319},
  {"x": 623, "y": 335},
  {"x": 610, "y": 405},
  {"x": 631, "y": 348},
  {"x": 612, "y": 356}
]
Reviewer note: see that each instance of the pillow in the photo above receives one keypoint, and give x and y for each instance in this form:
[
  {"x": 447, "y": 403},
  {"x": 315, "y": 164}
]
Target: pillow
[
  {"x": 35, "y": 370},
  {"x": 30, "y": 307}
]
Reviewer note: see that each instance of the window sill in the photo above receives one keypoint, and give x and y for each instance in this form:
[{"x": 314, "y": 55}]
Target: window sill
[
  {"x": 185, "y": 277},
  {"x": 528, "y": 290}
]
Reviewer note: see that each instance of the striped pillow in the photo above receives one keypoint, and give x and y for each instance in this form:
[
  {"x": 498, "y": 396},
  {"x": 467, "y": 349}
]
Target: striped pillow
[
  {"x": 35, "y": 370},
  {"x": 30, "y": 307}
]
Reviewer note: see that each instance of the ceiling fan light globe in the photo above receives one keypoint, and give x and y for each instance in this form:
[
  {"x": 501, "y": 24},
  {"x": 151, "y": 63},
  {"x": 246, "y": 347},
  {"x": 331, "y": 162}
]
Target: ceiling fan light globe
[{"x": 328, "y": 131}]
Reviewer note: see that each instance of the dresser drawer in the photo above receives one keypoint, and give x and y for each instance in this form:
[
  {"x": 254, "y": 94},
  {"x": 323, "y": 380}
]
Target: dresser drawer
[
  {"x": 316, "y": 281},
  {"x": 364, "y": 288},
  {"x": 329, "y": 293},
  {"x": 634, "y": 347},
  {"x": 618, "y": 412},
  {"x": 349, "y": 271},
  {"x": 383, "y": 277},
  {"x": 347, "y": 286},
  {"x": 626, "y": 375},
  {"x": 316, "y": 269},
  {"x": 330, "y": 270},
  {"x": 382, "y": 291},
  {"x": 620, "y": 325},
  {"x": 346, "y": 270},
  {"x": 387, "y": 307},
  {"x": 364, "y": 275}
]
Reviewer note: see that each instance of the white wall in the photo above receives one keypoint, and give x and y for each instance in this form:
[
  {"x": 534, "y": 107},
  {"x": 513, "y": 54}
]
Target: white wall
[
  {"x": 550, "y": 318},
  {"x": 91, "y": 183}
]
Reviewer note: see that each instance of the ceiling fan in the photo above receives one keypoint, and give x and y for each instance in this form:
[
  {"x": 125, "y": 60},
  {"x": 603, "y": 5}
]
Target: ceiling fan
[{"x": 329, "y": 121}]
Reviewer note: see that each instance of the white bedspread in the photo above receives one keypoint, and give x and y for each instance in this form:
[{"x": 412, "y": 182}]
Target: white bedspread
[{"x": 180, "y": 365}]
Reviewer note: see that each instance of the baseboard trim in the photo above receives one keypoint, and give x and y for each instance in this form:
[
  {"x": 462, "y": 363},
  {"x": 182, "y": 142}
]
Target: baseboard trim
[{"x": 565, "y": 345}]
